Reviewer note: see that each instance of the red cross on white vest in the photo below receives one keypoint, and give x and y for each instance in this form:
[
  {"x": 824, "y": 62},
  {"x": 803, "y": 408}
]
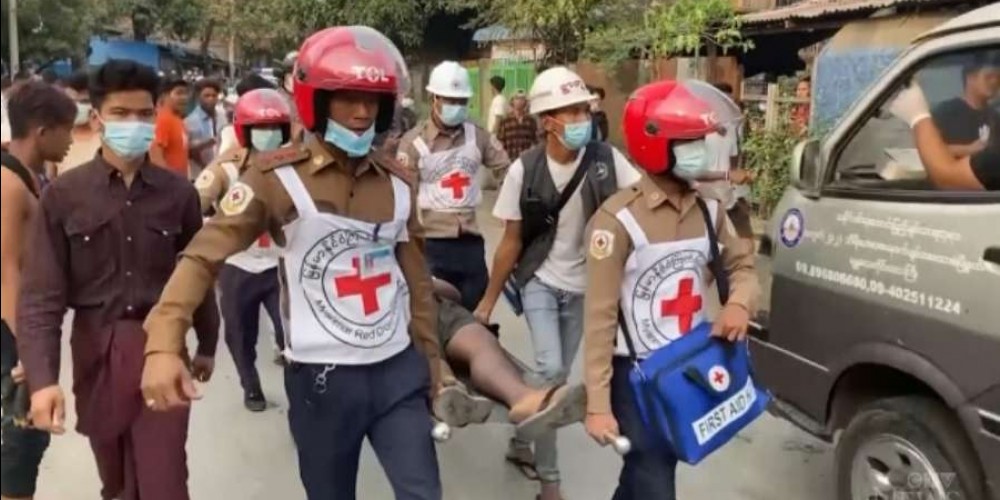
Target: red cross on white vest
[
  {"x": 367, "y": 288},
  {"x": 264, "y": 241},
  {"x": 456, "y": 182},
  {"x": 685, "y": 306}
]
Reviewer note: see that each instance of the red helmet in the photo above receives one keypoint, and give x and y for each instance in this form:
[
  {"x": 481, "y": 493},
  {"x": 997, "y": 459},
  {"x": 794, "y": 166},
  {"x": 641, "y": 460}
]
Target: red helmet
[
  {"x": 658, "y": 114},
  {"x": 348, "y": 58},
  {"x": 262, "y": 107}
]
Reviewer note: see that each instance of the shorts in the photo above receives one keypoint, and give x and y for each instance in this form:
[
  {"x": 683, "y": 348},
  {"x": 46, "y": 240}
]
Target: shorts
[
  {"x": 742, "y": 219},
  {"x": 21, "y": 449},
  {"x": 452, "y": 317}
]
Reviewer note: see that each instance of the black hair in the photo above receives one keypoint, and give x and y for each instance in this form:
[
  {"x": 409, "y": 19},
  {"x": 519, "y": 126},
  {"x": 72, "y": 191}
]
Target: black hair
[
  {"x": 122, "y": 76},
  {"x": 252, "y": 82},
  {"x": 22, "y": 76},
  {"x": 599, "y": 91},
  {"x": 38, "y": 104},
  {"x": 207, "y": 83},
  {"x": 50, "y": 77},
  {"x": 725, "y": 88},
  {"x": 171, "y": 84},
  {"x": 6, "y": 82},
  {"x": 978, "y": 63},
  {"x": 79, "y": 81},
  {"x": 498, "y": 83}
]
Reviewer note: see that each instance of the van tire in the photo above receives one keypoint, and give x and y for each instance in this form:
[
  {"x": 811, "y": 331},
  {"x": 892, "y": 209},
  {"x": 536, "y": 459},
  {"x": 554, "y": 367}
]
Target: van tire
[{"x": 924, "y": 423}]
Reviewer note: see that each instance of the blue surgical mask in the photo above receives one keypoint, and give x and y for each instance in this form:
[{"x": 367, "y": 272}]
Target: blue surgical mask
[
  {"x": 266, "y": 139},
  {"x": 576, "y": 135},
  {"x": 129, "y": 140},
  {"x": 453, "y": 115},
  {"x": 356, "y": 146},
  {"x": 692, "y": 160}
]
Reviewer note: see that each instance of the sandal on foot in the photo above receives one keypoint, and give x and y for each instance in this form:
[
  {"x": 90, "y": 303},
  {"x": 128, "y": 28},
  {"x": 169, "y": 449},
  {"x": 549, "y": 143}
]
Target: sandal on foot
[
  {"x": 524, "y": 461},
  {"x": 457, "y": 408},
  {"x": 560, "y": 407}
]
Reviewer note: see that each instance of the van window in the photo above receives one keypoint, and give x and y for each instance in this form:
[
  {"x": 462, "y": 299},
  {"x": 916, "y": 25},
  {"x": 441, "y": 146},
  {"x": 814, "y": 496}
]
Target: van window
[{"x": 963, "y": 90}]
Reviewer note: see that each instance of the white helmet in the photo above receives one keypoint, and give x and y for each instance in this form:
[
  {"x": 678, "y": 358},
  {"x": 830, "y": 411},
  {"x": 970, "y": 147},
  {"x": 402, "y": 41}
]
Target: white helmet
[
  {"x": 557, "y": 88},
  {"x": 449, "y": 79}
]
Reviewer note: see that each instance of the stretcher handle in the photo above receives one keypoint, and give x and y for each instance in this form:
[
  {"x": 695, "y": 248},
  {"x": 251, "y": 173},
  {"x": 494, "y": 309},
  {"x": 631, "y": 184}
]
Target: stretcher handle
[
  {"x": 441, "y": 432},
  {"x": 621, "y": 444}
]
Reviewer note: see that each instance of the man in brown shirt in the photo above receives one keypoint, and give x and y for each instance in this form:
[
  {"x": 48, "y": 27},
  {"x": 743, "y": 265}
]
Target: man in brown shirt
[
  {"x": 448, "y": 153},
  {"x": 518, "y": 132},
  {"x": 648, "y": 259},
  {"x": 359, "y": 300},
  {"x": 105, "y": 241}
]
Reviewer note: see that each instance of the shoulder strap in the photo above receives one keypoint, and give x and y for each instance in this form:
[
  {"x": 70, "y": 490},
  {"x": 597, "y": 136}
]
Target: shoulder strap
[
  {"x": 232, "y": 172},
  {"x": 721, "y": 278},
  {"x": 531, "y": 160},
  {"x": 635, "y": 231},
  {"x": 14, "y": 165},
  {"x": 297, "y": 191},
  {"x": 574, "y": 183},
  {"x": 421, "y": 147}
]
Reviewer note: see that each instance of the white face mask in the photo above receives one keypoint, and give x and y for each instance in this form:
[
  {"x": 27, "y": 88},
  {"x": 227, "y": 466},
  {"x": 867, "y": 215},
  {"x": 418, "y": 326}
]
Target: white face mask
[
  {"x": 266, "y": 139},
  {"x": 692, "y": 160}
]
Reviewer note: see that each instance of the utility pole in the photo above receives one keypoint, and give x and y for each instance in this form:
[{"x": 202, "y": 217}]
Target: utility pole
[{"x": 15, "y": 49}]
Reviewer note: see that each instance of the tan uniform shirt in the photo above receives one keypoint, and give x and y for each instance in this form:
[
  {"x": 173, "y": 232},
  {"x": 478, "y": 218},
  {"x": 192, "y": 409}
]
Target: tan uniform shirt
[
  {"x": 213, "y": 182},
  {"x": 666, "y": 211},
  {"x": 452, "y": 224},
  {"x": 363, "y": 193}
]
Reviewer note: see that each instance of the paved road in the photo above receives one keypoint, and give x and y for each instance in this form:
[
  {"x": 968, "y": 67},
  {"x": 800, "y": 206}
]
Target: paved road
[{"x": 237, "y": 455}]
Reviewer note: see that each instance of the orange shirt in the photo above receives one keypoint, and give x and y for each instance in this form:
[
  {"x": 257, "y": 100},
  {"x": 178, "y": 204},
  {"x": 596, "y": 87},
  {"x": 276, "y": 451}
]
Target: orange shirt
[{"x": 172, "y": 138}]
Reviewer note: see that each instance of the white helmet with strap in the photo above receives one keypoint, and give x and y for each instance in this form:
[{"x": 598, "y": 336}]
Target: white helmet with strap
[
  {"x": 557, "y": 88},
  {"x": 449, "y": 79}
]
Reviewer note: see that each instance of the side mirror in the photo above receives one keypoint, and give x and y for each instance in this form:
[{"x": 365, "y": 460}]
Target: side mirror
[{"x": 805, "y": 163}]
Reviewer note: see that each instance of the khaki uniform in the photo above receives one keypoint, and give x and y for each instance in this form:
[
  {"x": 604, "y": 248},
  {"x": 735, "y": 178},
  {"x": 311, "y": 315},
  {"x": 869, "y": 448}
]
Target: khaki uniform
[
  {"x": 666, "y": 211},
  {"x": 263, "y": 205},
  {"x": 452, "y": 224},
  {"x": 213, "y": 182}
]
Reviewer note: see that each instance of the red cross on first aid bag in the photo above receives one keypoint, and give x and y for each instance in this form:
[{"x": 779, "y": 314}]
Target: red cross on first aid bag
[
  {"x": 698, "y": 393},
  {"x": 695, "y": 392}
]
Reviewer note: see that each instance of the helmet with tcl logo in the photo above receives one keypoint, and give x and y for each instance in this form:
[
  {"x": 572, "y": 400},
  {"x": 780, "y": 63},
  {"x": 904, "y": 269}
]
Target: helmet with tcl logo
[
  {"x": 261, "y": 108},
  {"x": 355, "y": 58},
  {"x": 659, "y": 115}
]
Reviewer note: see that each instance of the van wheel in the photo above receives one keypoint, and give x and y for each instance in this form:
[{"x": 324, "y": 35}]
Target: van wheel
[{"x": 907, "y": 447}]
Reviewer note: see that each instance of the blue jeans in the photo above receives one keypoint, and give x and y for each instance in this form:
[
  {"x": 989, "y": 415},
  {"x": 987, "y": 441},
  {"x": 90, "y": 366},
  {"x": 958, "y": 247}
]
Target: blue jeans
[
  {"x": 650, "y": 469},
  {"x": 555, "y": 318}
]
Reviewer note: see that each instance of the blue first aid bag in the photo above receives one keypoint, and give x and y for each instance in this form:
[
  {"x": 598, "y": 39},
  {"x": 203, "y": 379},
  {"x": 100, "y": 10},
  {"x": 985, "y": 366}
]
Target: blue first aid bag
[{"x": 698, "y": 392}]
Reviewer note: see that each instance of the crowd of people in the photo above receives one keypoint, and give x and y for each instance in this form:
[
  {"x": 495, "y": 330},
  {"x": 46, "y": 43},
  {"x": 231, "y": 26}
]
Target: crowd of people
[{"x": 354, "y": 226}]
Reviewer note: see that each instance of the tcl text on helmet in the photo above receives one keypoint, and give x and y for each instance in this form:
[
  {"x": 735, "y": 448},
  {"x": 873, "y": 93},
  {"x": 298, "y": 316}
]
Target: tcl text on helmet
[{"x": 370, "y": 73}]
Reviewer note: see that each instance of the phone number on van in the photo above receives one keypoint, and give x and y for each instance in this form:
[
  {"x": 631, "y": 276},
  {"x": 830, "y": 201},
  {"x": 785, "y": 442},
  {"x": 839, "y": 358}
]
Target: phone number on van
[{"x": 876, "y": 287}]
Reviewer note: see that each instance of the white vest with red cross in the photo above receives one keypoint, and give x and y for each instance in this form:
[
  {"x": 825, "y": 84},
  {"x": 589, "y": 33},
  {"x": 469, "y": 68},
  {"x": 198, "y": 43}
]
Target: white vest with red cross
[
  {"x": 449, "y": 180},
  {"x": 349, "y": 303},
  {"x": 263, "y": 255},
  {"x": 663, "y": 294}
]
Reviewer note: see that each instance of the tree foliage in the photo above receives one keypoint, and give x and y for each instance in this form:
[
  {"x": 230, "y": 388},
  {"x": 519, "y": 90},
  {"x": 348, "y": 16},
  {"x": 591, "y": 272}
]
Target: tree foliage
[
  {"x": 47, "y": 29},
  {"x": 653, "y": 29},
  {"x": 561, "y": 25}
]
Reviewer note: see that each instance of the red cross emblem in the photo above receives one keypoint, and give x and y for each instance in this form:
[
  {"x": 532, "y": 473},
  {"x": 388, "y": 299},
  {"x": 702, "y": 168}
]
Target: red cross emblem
[
  {"x": 264, "y": 241},
  {"x": 685, "y": 306},
  {"x": 719, "y": 378},
  {"x": 456, "y": 182},
  {"x": 366, "y": 288}
]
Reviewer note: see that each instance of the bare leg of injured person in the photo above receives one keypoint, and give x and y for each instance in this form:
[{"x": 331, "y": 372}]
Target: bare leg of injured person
[{"x": 472, "y": 348}]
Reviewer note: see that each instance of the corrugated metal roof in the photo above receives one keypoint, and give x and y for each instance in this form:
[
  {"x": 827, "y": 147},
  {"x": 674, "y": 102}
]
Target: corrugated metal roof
[
  {"x": 496, "y": 33},
  {"x": 815, "y": 9}
]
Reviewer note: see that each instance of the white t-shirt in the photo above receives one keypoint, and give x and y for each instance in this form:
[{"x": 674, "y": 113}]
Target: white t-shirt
[
  {"x": 565, "y": 268},
  {"x": 4, "y": 121},
  {"x": 498, "y": 109},
  {"x": 721, "y": 150}
]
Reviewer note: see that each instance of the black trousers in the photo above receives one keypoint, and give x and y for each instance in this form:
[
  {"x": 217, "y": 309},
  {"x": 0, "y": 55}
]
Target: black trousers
[
  {"x": 243, "y": 294},
  {"x": 461, "y": 262},
  {"x": 21, "y": 450},
  {"x": 332, "y": 411},
  {"x": 650, "y": 470}
]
